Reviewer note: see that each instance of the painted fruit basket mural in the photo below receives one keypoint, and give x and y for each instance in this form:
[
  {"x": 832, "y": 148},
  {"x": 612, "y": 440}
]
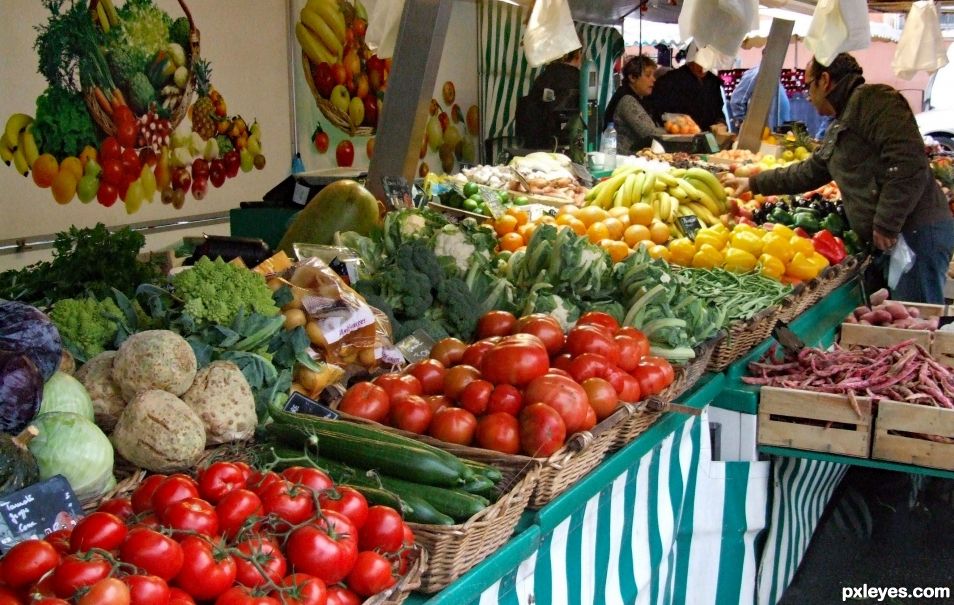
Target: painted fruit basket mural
[{"x": 130, "y": 112}]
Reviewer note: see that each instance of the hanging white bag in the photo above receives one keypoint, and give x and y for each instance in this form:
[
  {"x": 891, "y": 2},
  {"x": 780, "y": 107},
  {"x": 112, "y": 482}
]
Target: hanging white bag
[
  {"x": 384, "y": 21},
  {"x": 550, "y": 32},
  {"x": 921, "y": 47},
  {"x": 838, "y": 26},
  {"x": 717, "y": 46}
]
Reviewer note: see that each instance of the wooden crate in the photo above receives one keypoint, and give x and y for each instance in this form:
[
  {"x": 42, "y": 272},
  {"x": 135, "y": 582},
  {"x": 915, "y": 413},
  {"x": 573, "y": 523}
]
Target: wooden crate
[
  {"x": 910, "y": 449},
  {"x": 942, "y": 347},
  {"x": 799, "y": 419},
  {"x": 881, "y": 336}
]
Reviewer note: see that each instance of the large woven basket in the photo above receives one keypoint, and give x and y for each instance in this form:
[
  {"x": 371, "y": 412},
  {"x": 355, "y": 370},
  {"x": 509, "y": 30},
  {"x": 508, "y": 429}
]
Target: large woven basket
[
  {"x": 802, "y": 297},
  {"x": 742, "y": 337},
  {"x": 105, "y": 121},
  {"x": 408, "y": 583},
  {"x": 340, "y": 119}
]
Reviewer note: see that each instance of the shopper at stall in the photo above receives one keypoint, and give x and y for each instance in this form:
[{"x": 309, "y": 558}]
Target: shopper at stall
[
  {"x": 553, "y": 98},
  {"x": 627, "y": 109},
  {"x": 779, "y": 113},
  {"x": 875, "y": 154},
  {"x": 691, "y": 90}
]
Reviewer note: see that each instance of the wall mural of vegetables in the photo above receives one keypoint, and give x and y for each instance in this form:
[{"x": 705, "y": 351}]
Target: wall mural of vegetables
[{"x": 117, "y": 121}]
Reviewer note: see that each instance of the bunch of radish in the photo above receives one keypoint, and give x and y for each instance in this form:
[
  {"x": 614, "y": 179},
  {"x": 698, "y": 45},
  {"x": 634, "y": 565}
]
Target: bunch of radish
[{"x": 894, "y": 314}]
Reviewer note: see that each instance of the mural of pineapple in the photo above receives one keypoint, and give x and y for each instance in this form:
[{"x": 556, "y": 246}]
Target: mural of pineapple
[{"x": 203, "y": 110}]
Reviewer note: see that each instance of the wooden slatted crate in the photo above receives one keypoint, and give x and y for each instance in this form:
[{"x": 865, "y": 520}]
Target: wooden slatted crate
[
  {"x": 819, "y": 422},
  {"x": 899, "y": 430}
]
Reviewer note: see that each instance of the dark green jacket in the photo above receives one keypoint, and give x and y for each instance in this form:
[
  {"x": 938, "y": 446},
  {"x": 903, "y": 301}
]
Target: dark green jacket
[{"x": 875, "y": 154}]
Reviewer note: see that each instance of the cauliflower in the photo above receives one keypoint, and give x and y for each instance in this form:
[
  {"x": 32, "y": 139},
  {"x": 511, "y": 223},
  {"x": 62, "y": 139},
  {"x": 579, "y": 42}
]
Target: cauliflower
[
  {"x": 454, "y": 243},
  {"x": 215, "y": 291},
  {"x": 412, "y": 225},
  {"x": 88, "y": 326}
]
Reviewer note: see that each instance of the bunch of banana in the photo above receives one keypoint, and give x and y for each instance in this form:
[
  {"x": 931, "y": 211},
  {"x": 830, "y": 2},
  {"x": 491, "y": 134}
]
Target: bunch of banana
[
  {"x": 321, "y": 31},
  {"x": 17, "y": 145}
]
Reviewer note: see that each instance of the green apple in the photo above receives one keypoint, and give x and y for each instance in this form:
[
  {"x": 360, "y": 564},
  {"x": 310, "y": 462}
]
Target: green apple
[
  {"x": 92, "y": 168},
  {"x": 87, "y": 187},
  {"x": 340, "y": 98},
  {"x": 356, "y": 111}
]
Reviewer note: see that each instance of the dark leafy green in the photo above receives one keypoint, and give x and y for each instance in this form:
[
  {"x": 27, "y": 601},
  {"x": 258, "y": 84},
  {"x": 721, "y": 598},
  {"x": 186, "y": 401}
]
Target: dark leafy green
[{"x": 63, "y": 127}]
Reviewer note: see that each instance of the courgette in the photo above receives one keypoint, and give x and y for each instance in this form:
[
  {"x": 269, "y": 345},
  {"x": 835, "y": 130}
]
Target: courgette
[
  {"x": 397, "y": 460},
  {"x": 454, "y": 503},
  {"x": 424, "y": 512},
  {"x": 379, "y": 495},
  {"x": 491, "y": 472},
  {"x": 481, "y": 486}
]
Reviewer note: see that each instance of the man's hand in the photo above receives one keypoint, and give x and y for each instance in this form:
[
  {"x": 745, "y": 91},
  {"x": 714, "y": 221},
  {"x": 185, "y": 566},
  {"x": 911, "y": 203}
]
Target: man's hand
[
  {"x": 884, "y": 242},
  {"x": 739, "y": 183}
]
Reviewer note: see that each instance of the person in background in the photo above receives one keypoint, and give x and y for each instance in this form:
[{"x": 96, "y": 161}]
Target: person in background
[
  {"x": 555, "y": 90},
  {"x": 691, "y": 90},
  {"x": 635, "y": 125},
  {"x": 779, "y": 113},
  {"x": 875, "y": 154}
]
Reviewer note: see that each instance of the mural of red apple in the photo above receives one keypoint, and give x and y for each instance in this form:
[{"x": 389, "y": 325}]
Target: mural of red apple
[{"x": 344, "y": 153}]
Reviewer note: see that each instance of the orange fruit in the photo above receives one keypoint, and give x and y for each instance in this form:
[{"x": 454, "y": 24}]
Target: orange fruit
[
  {"x": 578, "y": 227},
  {"x": 641, "y": 214},
  {"x": 521, "y": 216},
  {"x": 526, "y": 231},
  {"x": 565, "y": 219},
  {"x": 659, "y": 232},
  {"x": 635, "y": 234},
  {"x": 45, "y": 168},
  {"x": 596, "y": 232},
  {"x": 73, "y": 164},
  {"x": 617, "y": 250},
  {"x": 659, "y": 251},
  {"x": 511, "y": 241},
  {"x": 64, "y": 186},
  {"x": 505, "y": 224},
  {"x": 619, "y": 212},
  {"x": 591, "y": 214},
  {"x": 615, "y": 227},
  {"x": 567, "y": 209}
]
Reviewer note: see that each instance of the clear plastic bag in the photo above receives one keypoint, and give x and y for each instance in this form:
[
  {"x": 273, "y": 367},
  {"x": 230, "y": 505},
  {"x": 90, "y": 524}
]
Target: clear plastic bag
[
  {"x": 550, "y": 32},
  {"x": 838, "y": 26},
  {"x": 901, "y": 261},
  {"x": 921, "y": 47}
]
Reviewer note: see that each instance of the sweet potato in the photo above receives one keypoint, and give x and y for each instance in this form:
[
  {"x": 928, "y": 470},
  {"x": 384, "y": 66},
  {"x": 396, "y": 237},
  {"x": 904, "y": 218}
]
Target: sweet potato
[
  {"x": 896, "y": 310},
  {"x": 914, "y": 312},
  {"x": 879, "y": 297},
  {"x": 859, "y": 312}
]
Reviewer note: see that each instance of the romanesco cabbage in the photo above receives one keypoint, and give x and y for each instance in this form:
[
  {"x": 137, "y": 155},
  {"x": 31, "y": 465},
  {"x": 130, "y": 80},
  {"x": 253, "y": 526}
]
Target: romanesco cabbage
[
  {"x": 215, "y": 291},
  {"x": 88, "y": 326}
]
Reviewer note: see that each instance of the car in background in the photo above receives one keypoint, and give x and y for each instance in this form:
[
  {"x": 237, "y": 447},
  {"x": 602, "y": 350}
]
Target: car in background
[
  {"x": 939, "y": 125},
  {"x": 938, "y": 121}
]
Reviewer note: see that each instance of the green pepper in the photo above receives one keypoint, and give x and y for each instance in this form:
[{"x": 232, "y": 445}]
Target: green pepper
[
  {"x": 807, "y": 221},
  {"x": 781, "y": 216},
  {"x": 853, "y": 242},
  {"x": 833, "y": 223}
]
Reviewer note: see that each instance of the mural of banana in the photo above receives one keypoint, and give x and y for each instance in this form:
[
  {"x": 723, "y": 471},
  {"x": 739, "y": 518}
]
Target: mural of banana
[
  {"x": 6, "y": 154},
  {"x": 27, "y": 144},
  {"x": 321, "y": 31},
  {"x": 16, "y": 123}
]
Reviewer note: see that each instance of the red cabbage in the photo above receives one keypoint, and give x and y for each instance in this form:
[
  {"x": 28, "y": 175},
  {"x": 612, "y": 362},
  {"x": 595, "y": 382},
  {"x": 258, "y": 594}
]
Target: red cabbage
[
  {"x": 25, "y": 329},
  {"x": 21, "y": 390}
]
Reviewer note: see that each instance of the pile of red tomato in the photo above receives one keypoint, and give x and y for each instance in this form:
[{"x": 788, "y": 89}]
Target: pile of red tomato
[
  {"x": 233, "y": 537},
  {"x": 524, "y": 386}
]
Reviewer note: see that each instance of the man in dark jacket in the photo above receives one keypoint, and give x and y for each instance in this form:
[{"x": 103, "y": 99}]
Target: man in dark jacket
[
  {"x": 690, "y": 90},
  {"x": 554, "y": 96},
  {"x": 875, "y": 154}
]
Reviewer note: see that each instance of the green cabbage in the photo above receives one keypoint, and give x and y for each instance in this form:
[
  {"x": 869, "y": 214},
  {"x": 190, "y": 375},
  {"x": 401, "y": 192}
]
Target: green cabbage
[
  {"x": 72, "y": 446},
  {"x": 63, "y": 393}
]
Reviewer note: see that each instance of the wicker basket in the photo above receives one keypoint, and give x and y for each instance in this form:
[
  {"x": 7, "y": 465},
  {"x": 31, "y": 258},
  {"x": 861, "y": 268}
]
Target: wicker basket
[
  {"x": 338, "y": 118},
  {"x": 802, "y": 297},
  {"x": 742, "y": 337},
  {"x": 105, "y": 121},
  {"x": 410, "y": 582},
  {"x": 642, "y": 415}
]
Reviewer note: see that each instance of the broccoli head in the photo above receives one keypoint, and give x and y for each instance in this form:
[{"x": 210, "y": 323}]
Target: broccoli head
[
  {"x": 461, "y": 311},
  {"x": 408, "y": 292},
  {"x": 417, "y": 256},
  {"x": 88, "y": 326},
  {"x": 215, "y": 291}
]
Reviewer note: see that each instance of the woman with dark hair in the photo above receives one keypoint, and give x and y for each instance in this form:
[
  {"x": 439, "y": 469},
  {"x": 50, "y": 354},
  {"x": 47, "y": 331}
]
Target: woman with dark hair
[{"x": 627, "y": 109}]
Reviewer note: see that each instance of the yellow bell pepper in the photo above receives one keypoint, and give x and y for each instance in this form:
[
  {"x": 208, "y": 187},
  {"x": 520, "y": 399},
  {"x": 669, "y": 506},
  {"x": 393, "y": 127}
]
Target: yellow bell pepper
[
  {"x": 707, "y": 257},
  {"x": 714, "y": 238},
  {"x": 778, "y": 246},
  {"x": 802, "y": 267},
  {"x": 772, "y": 266},
  {"x": 748, "y": 241},
  {"x": 681, "y": 251},
  {"x": 719, "y": 228},
  {"x": 802, "y": 244},
  {"x": 782, "y": 230},
  {"x": 820, "y": 261},
  {"x": 739, "y": 260}
]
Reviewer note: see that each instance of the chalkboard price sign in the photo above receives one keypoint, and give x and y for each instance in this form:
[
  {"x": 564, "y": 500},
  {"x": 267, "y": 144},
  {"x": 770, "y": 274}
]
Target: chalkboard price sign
[
  {"x": 690, "y": 225},
  {"x": 397, "y": 192},
  {"x": 37, "y": 510},
  {"x": 299, "y": 404}
]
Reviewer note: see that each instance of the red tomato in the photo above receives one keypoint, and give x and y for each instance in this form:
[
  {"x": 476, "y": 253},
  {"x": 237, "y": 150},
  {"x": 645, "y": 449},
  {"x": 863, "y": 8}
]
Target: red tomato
[
  {"x": 147, "y": 590},
  {"x": 98, "y": 530},
  {"x": 155, "y": 553},
  {"x": 499, "y": 432},
  {"x": 192, "y": 515},
  {"x": 108, "y": 591},
  {"x": 398, "y": 386},
  {"x": 505, "y": 398},
  {"x": 126, "y": 133},
  {"x": 121, "y": 507},
  {"x": 475, "y": 396},
  {"x": 474, "y": 354},
  {"x": 60, "y": 539},
  {"x": 366, "y": 400},
  {"x": 495, "y": 323},
  {"x": 638, "y": 336},
  {"x": 177, "y": 596},
  {"x": 430, "y": 373},
  {"x": 383, "y": 530},
  {"x": 542, "y": 431},
  {"x": 49, "y": 601},
  {"x": 29, "y": 561},
  {"x": 651, "y": 377},
  {"x": 562, "y": 394},
  {"x": 235, "y": 509},
  {"x": 630, "y": 391},
  {"x": 630, "y": 351},
  {"x": 669, "y": 374},
  {"x": 588, "y": 365},
  {"x": 349, "y": 502},
  {"x": 218, "y": 479},
  {"x": 258, "y": 483},
  {"x": 601, "y": 395},
  {"x": 437, "y": 402},
  {"x": 448, "y": 351},
  {"x": 259, "y": 561},
  {"x": 242, "y": 595},
  {"x": 339, "y": 595},
  {"x": 132, "y": 167},
  {"x": 371, "y": 574},
  {"x": 453, "y": 425},
  {"x": 544, "y": 327},
  {"x": 561, "y": 362},
  {"x": 288, "y": 501},
  {"x": 113, "y": 173},
  {"x": 559, "y": 372},
  {"x": 315, "y": 479},
  {"x": 302, "y": 589},
  {"x": 8, "y": 597},
  {"x": 615, "y": 377},
  {"x": 590, "y": 420},
  {"x": 109, "y": 150},
  {"x": 207, "y": 570},
  {"x": 173, "y": 489},
  {"x": 457, "y": 378},
  {"x": 142, "y": 498},
  {"x": 412, "y": 413},
  {"x": 599, "y": 319},
  {"x": 515, "y": 360},
  {"x": 326, "y": 549},
  {"x": 592, "y": 339},
  {"x": 79, "y": 571},
  {"x": 123, "y": 114},
  {"x": 247, "y": 470}
]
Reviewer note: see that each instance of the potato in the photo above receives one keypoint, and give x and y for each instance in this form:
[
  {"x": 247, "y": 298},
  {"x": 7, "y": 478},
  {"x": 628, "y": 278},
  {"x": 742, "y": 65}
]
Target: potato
[
  {"x": 294, "y": 318},
  {"x": 222, "y": 398},
  {"x": 97, "y": 376},
  {"x": 154, "y": 359},
  {"x": 160, "y": 433}
]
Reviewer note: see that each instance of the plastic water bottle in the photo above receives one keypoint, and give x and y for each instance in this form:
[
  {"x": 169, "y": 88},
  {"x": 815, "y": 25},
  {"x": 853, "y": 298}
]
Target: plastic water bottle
[{"x": 608, "y": 147}]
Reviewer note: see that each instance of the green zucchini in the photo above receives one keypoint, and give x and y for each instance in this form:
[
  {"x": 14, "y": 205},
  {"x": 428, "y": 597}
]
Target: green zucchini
[
  {"x": 453, "y": 503},
  {"x": 424, "y": 512},
  {"x": 491, "y": 472},
  {"x": 378, "y": 495},
  {"x": 481, "y": 486},
  {"x": 397, "y": 460}
]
